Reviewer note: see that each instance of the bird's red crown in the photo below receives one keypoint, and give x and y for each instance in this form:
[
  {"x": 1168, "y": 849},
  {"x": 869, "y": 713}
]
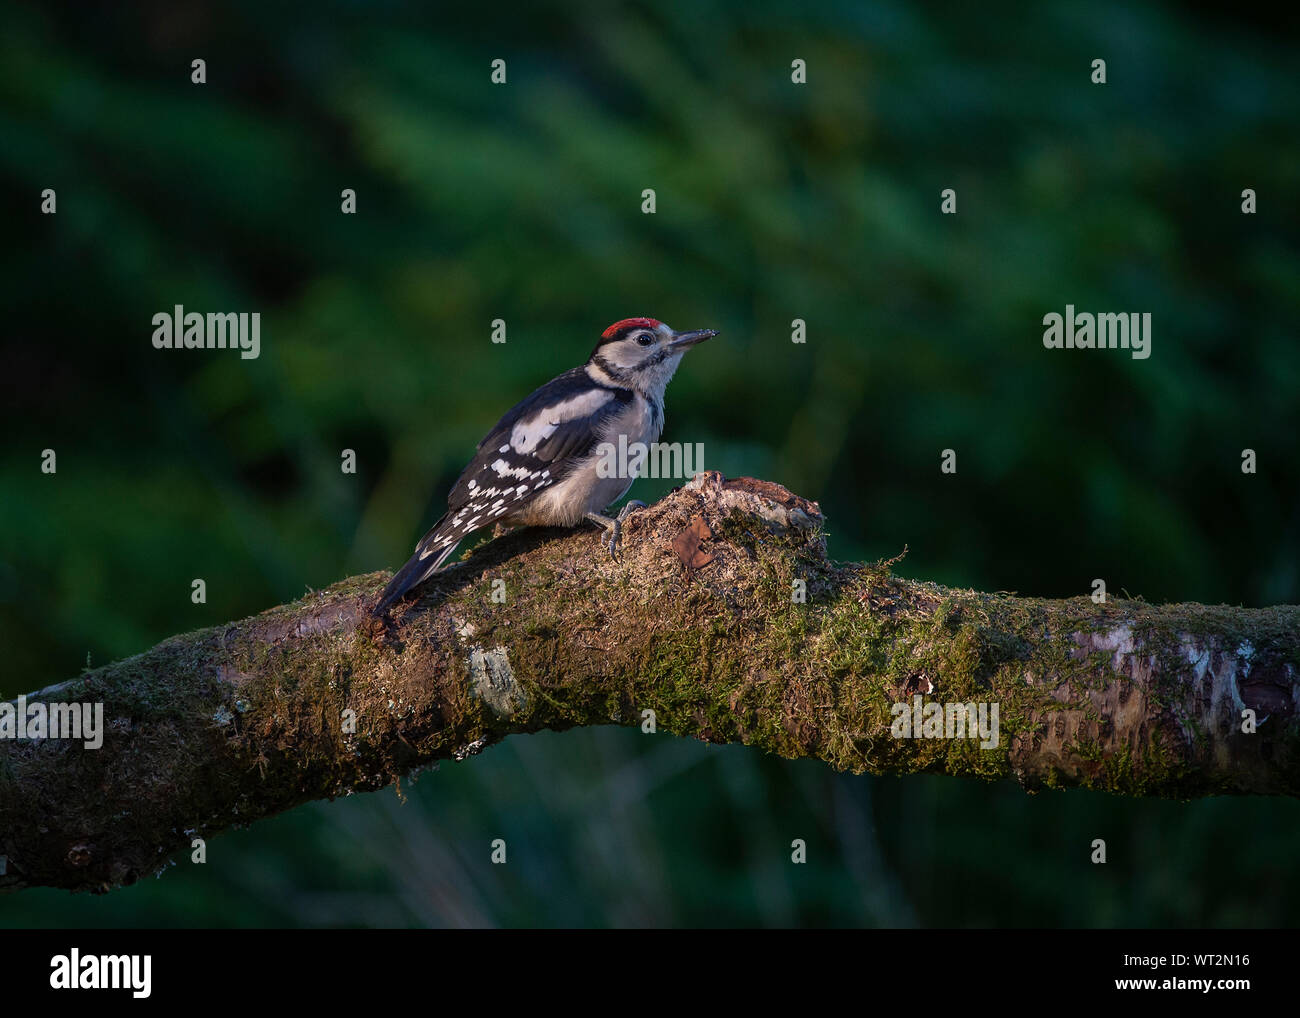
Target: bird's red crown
[{"x": 629, "y": 323}]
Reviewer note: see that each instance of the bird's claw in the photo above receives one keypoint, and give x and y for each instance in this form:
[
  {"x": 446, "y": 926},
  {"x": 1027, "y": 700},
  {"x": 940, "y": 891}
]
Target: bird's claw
[
  {"x": 630, "y": 507},
  {"x": 613, "y": 537}
]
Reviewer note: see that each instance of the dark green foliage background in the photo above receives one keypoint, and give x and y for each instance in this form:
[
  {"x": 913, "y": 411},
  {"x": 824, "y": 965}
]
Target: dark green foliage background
[{"x": 775, "y": 201}]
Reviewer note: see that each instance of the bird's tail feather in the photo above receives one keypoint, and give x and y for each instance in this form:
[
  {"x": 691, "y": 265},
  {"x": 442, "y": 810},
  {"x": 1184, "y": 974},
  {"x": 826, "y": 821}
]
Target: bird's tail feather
[{"x": 429, "y": 556}]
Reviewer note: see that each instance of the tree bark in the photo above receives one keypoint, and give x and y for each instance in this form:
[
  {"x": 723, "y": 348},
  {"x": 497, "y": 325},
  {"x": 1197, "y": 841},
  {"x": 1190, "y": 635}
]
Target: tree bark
[{"x": 700, "y": 623}]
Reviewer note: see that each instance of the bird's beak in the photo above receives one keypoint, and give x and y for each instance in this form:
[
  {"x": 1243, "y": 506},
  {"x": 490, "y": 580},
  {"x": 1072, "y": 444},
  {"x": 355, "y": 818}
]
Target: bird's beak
[{"x": 684, "y": 340}]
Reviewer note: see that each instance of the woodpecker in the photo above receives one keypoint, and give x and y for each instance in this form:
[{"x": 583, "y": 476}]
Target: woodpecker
[{"x": 537, "y": 466}]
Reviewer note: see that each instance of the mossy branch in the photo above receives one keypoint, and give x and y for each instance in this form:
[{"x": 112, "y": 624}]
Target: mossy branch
[{"x": 700, "y": 623}]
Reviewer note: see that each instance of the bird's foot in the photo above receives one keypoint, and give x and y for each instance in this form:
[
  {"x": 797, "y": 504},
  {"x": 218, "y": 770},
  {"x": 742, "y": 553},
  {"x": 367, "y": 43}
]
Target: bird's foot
[
  {"x": 631, "y": 506},
  {"x": 614, "y": 526}
]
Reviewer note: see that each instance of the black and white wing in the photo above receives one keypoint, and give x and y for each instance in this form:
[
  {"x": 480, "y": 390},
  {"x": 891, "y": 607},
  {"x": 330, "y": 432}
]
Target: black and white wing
[{"x": 531, "y": 448}]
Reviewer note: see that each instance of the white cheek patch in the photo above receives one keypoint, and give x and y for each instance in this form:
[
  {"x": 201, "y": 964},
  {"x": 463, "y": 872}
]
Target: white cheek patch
[
  {"x": 625, "y": 354},
  {"x": 528, "y": 433}
]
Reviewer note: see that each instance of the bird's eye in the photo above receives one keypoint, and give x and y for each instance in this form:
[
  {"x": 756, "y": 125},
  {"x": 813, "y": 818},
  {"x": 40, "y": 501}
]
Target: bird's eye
[{"x": 645, "y": 339}]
